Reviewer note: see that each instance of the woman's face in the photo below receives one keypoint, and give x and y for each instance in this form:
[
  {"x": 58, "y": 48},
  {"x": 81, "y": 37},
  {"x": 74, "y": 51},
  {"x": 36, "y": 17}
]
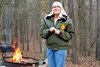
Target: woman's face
[{"x": 56, "y": 9}]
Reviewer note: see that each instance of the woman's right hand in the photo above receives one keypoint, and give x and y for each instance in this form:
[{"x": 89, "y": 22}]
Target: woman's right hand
[{"x": 52, "y": 29}]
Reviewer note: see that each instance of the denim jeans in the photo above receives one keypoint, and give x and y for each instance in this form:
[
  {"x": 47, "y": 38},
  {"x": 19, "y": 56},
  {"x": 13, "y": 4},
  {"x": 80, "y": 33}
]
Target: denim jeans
[{"x": 56, "y": 58}]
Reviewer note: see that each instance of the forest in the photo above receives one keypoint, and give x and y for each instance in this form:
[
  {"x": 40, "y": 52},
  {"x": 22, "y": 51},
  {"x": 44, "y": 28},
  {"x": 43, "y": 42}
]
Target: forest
[{"x": 21, "y": 19}]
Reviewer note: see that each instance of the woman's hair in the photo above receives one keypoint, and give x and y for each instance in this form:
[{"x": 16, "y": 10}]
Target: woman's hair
[{"x": 57, "y": 3}]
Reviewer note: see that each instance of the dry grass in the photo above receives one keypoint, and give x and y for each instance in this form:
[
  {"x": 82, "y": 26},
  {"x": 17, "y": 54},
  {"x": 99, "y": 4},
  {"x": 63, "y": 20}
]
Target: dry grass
[{"x": 84, "y": 62}]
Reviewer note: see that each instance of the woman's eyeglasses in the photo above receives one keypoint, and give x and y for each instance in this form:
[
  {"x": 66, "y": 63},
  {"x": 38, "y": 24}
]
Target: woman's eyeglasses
[{"x": 56, "y": 7}]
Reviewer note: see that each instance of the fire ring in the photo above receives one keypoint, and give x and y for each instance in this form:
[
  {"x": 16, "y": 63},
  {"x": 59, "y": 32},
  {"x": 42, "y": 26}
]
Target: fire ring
[{"x": 27, "y": 61}]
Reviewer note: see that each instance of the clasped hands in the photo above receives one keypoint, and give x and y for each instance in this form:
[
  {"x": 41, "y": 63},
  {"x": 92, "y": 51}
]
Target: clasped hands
[{"x": 56, "y": 31}]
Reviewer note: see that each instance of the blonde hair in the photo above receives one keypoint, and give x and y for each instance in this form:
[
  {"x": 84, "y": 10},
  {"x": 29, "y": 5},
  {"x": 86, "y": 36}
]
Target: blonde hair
[{"x": 62, "y": 10}]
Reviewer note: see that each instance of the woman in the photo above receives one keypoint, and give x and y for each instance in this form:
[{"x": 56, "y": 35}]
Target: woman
[{"x": 57, "y": 30}]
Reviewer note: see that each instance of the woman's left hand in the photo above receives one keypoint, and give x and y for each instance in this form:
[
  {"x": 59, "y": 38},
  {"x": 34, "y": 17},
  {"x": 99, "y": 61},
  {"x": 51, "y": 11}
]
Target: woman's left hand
[{"x": 57, "y": 32}]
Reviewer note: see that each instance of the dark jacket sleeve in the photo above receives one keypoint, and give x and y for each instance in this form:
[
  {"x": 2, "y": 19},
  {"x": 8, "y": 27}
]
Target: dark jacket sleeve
[
  {"x": 68, "y": 32},
  {"x": 44, "y": 30}
]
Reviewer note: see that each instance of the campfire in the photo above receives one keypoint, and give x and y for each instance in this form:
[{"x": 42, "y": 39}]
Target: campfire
[
  {"x": 17, "y": 60},
  {"x": 17, "y": 56}
]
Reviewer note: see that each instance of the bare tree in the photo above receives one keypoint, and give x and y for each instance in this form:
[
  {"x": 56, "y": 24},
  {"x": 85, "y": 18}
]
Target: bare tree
[{"x": 98, "y": 32}]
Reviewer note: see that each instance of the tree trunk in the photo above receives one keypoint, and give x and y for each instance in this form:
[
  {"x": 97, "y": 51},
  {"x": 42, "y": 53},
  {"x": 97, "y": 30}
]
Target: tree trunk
[
  {"x": 98, "y": 32},
  {"x": 1, "y": 26}
]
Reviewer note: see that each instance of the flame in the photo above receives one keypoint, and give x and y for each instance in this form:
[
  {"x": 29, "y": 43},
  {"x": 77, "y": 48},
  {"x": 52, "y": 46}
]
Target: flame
[{"x": 17, "y": 55}]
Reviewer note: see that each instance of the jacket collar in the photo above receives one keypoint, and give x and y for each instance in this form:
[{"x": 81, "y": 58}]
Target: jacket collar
[{"x": 63, "y": 19}]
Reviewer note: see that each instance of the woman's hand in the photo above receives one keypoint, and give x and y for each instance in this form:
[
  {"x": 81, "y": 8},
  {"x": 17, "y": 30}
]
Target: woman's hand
[
  {"x": 52, "y": 29},
  {"x": 57, "y": 32}
]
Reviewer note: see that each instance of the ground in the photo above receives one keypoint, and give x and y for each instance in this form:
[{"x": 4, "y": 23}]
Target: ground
[
  {"x": 88, "y": 61},
  {"x": 84, "y": 62}
]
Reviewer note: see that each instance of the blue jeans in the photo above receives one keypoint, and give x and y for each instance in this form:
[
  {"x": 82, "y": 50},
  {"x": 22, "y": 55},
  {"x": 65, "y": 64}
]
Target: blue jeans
[{"x": 56, "y": 58}]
